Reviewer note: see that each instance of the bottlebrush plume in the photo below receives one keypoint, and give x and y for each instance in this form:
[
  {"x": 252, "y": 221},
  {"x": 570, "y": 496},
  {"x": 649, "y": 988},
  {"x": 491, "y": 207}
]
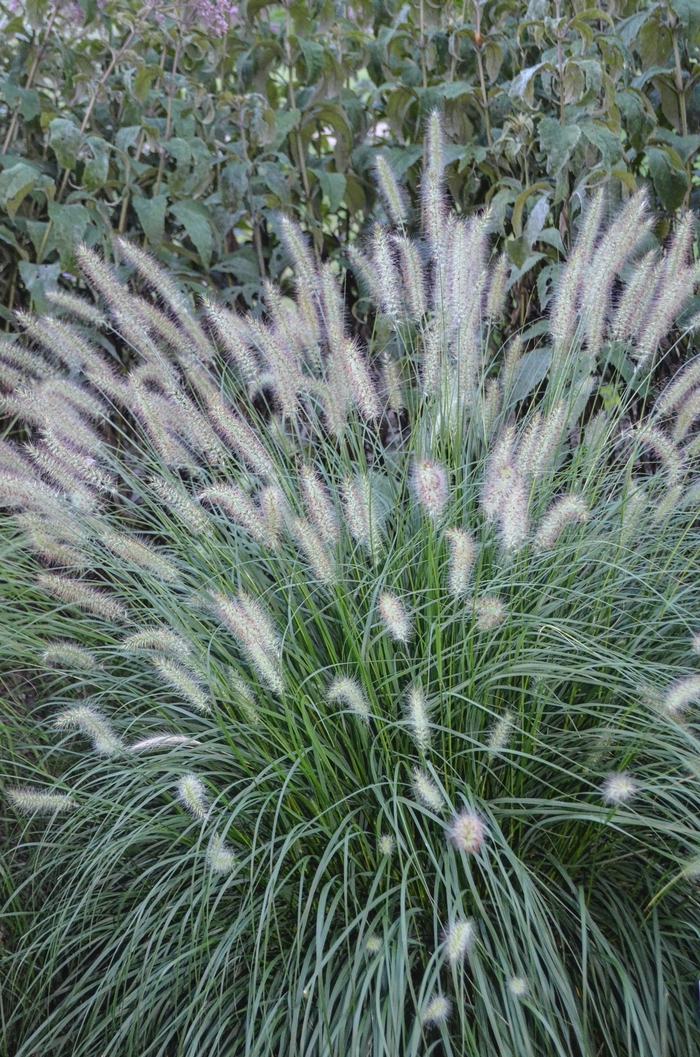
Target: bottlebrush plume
[
  {"x": 679, "y": 695},
  {"x": 392, "y": 193},
  {"x": 162, "y": 741},
  {"x": 318, "y": 505},
  {"x": 489, "y": 612},
  {"x": 255, "y": 632},
  {"x": 387, "y": 275},
  {"x": 656, "y": 441},
  {"x": 241, "y": 437},
  {"x": 467, "y": 831},
  {"x": 517, "y": 986},
  {"x": 68, "y": 655},
  {"x": 462, "y": 548},
  {"x": 430, "y": 487},
  {"x": 387, "y": 844},
  {"x": 359, "y": 380},
  {"x": 179, "y": 679},
  {"x": 513, "y": 516},
  {"x": 314, "y": 549},
  {"x": 232, "y": 333},
  {"x": 500, "y": 733},
  {"x": 157, "y": 638},
  {"x": 137, "y": 553},
  {"x": 348, "y": 692},
  {"x": 426, "y": 791},
  {"x": 395, "y": 617},
  {"x": 437, "y": 1011},
  {"x": 83, "y": 595},
  {"x": 566, "y": 510},
  {"x": 233, "y": 500},
  {"x": 29, "y": 800},
  {"x": 220, "y": 857},
  {"x": 418, "y": 718},
  {"x": 192, "y": 796},
  {"x": 93, "y": 725},
  {"x": 179, "y": 503},
  {"x": 457, "y": 939},
  {"x": 360, "y": 513},
  {"x": 412, "y": 269}
]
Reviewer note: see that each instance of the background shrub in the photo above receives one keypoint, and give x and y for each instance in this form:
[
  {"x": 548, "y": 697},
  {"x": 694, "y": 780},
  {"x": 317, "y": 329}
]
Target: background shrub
[{"x": 192, "y": 126}]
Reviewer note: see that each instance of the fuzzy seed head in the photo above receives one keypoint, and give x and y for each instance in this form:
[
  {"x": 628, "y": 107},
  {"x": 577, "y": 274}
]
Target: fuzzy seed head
[
  {"x": 373, "y": 944},
  {"x": 497, "y": 289},
  {"x": 68, "y": 655},
  {"x": 180, "y": 680},
  {"x": 29, "y": 800},
  {"x": 157, "y": 638},
  {"x": 426, "y": 791},
  {"x": 348, "y": 692},
  {"x": 462, "y": 549},
  {"x": 387, "y": 844},
  {"x": 395, "y": 618},
  {"x": 618, "y": 788},
  {"x": 162, "y": 741},
  {"x": 192, "y": 796},
  {"x": 85, "y": 596},
  {"x": 680, "y": 694},
  {"x": 437, "y": 1010},
  {"x": 567, "y": 510},
  {"x": 360, "y": 512},
  {"x": 467, "y": 831},
  {"x": 240, "y": 507},
  {"x": 220, "y": 856},
  {"x": 656, "y": 441},
  {"x": 182, "y": 506},
  {"x": 430, "y": 487},
  {"x": 458, "y": 936},
  {"x": 93, "y": 725},
  {"x": 500, "y": 733},
  {"x": 489, "y": 612},
  {"x": 695, "y": 642},
  {"x": 418, "y": 718},
  {"x": 392, "y": 194},
  {"x": 517, "y": 986}
]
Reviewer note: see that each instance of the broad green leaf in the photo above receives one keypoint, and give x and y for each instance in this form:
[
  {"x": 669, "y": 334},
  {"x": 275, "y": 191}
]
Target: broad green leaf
[
  {"x": 333, "y": 187},
  {"x": 69, "y": 225},
  {"x": 285, "y": 122},
  {"x": 15, "y": 183},
  {"x": 194, "y": 217},
  {"x": 670, "y": 178},
  {"x": 65, "y": 139},
  {"x": 606, "y": 141},
  {"x": 26, "y": 100},
  {"x": 558, "y": 142},
  {"x": 518, "y": 250},
  {"x": 96, "y": 171},
  {"x": 144, "y": 79},
  {"x": 179, "y": 149},
  {"x": 688, "y": 12},
  {"x": 523, "y": 84},
  {"x": 39, "y": 279},
  {"x": 493, "y": 59},
  {"x": 36, "y": 229},
  {"x": 639, "y": 117},
  {"x": 151, "y": 214},
  {"x": 531, "y": 371},
  {"x": 313, "y": 54}
]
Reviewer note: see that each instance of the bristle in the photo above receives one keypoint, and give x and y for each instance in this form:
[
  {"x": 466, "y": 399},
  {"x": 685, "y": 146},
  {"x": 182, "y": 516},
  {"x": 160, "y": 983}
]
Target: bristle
[
  {"x": 565, "y": 305},
  {"x": 462, "y": 546},
  {"x": 687, "y": 416},
  {"x": 489, "y": 612},
  {"x": 162, "y": 741},
  {"x": 412, "y": 270},
  {"x": 93, "y": 725},
  {"x": 359, "y": 380},
  {"x": 393, "y": 195},
  {"x": 242, "y": 438},
  {"x": 192, "y": 796},
  {"x": 635, "y": 300},
  {"x": 182, "y": 680},
  {"x": 179, "y": 503},
  {"x": 348, "y": 692},
  {"x": 433, "y": 347},
  {"x": 239, "y": 506},
  {"x": 548, "y": 440},
  {"x": 30, "y": 800},
  {"x": 432, "y": 195},
  {"x": 314, "y": 549},
  {"x": 495, "y": 298},
  {"x": 76, "y": 306},
  {"x": 565, "y": 511},
  {"x": 430, "y": 487},
  {"x": 333, "y": 310},
  {"x": 500, "y": 472},
  {"x": 318, "y": 505},
  {"x": 663, "y": 448},
  {"x": 256, "y": 634},
  {"x": 140, "y": 554},
  {"x": 392, "y": 389},
  {"x": 232, "y": 332},
  {"x": 364, "y": 271},
  {"x": 387, "y": 276},
  {"x": 360, "y": 513},
  {"x": 84, "y": 596}
]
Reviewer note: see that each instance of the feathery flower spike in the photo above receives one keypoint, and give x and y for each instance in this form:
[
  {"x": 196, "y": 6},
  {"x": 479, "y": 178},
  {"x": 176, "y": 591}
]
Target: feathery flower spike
[
  {"x": 426, "y": 791},
  {"x": 192, "y": 796},
  {"x": 93, "y": 725},
  {"x": 467, "y": 831},
  {"x": 437, "y": 1010},
  {"x": 564, "y": 511},
  {"x": 418, "y": 718},
  {"x": 179, "y": 679},
  {"x": 29, "y": 800},
  {"x": 348, "y": 692},
  {"x": 430, "y": 487},
  {"x": 395, "y": 617},
  {"x": 220, "y": 856},
  {"x": 462, "y": 548},
  {"x": 618, "y": 788},
  {"x": 489, "y": 612},
  {"x": 457, "y": 938}
]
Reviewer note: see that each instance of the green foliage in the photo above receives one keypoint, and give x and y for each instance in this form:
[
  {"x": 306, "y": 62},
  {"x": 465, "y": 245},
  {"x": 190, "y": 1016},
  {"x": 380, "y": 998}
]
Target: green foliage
[
  {"x": 195, "y": 140},
  {"x": 336, "y": 648}
]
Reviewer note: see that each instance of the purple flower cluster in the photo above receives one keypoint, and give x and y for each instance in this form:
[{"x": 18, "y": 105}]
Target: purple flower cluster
[{"x": 217, "y": 15}]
